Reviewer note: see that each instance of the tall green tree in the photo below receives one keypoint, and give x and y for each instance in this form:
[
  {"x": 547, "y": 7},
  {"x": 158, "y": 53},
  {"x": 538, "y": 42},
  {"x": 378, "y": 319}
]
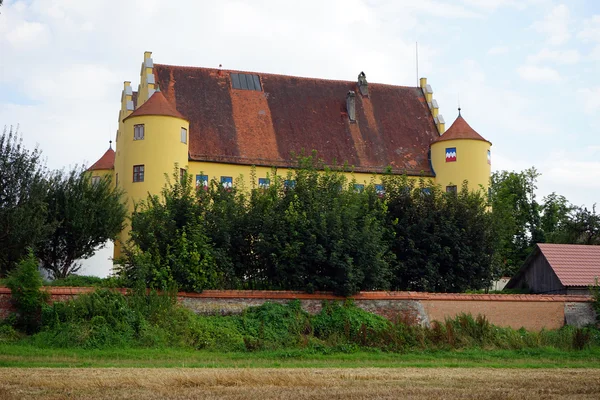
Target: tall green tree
[
  {"x": 556, "y": 214},
  {"x": 169, "y": 246},
  {"x": 82, "y": 217},
  {"x": 583, "y": 227},
  {"x": 516, "y": 215},
  {"x": 22, "y": 199},
  {"x": 443, "y": 241}
]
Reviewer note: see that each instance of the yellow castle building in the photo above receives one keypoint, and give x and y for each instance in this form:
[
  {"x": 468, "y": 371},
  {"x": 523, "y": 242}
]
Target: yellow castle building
[{"x": 219, "y": 124}]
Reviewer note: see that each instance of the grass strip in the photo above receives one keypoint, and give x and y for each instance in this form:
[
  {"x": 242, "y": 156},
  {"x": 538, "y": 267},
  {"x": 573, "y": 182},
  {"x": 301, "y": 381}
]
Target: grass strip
[{"x": 24, "y": 356}]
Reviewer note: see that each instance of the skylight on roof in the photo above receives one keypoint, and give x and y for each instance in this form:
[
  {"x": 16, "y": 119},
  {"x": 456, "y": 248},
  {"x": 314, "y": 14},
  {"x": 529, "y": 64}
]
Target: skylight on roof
[{"x": 245, "y": 82}]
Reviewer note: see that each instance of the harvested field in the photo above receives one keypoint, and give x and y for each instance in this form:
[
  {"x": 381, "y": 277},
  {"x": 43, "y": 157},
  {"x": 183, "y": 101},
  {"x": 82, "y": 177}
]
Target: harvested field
[{"x": 264, "y": 384}]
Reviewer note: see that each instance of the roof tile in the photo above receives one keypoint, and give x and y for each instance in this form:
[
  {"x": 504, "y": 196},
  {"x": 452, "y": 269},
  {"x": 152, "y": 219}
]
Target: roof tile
[
  {"x": 575, "y": 265},
  {"x": 460, "y": 129},
  {"x": 107, "y": 161},
  {"x": 394, "y": 126},
  {"x": 156, "y": 105}
]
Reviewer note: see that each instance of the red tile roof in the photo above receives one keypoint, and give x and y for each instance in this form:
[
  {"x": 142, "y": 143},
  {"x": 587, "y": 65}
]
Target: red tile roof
[
  {"x": 460, "y": 129},
  {"x": 575, "y": 265},
  {"x": 107, "y": 161},
  {"x": 156, "y": 105},
  {"x": 394, "y": 126}
]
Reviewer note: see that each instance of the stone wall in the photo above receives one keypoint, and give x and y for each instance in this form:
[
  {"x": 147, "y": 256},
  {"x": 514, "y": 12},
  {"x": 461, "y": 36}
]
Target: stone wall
[{"x": 532, "y": 312}]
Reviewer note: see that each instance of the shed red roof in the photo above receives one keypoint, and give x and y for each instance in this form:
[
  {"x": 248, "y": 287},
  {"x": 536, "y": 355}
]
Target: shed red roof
[
  {"x": 393, "y": 127},
  {"x": 460, "y": 129},
  {"x": 156, "y": 105},
  {"x": 575, "y": 265},
  {"x": 107, "y": 161}
]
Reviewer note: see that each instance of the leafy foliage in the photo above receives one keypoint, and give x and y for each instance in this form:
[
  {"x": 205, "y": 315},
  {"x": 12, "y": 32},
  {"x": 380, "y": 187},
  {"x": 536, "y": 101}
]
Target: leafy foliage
[
  {"x": 168, "y": 241},
  {"x": 442, "y": 241},
  {"x": 521, "y": 221},
  {"x": 82, "y": 216},
  {"x": 109, "y": 319},
  {"x": 312, "y": 230},
  {"x": 25, "y": 283},
  {"x": 22, "y": 200}
]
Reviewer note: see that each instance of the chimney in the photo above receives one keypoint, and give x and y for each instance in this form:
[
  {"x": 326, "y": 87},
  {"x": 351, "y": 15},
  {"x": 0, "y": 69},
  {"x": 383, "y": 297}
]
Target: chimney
[
  {"x": 363, "y": 86},
  {"x": 351, "y": 105}
]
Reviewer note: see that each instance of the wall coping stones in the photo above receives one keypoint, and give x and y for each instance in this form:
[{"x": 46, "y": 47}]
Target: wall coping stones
[{"x": 380, "y": 295}]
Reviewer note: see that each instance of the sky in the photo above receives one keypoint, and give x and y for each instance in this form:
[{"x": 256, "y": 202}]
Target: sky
[{"x": 526, "y": 72}]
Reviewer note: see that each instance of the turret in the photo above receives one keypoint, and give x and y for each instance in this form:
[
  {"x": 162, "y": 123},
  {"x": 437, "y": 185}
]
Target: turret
[
  {"x": 461, "y": 154},
  {"x": 152, "y": 140},
  {"x": 104, "y": 166}
]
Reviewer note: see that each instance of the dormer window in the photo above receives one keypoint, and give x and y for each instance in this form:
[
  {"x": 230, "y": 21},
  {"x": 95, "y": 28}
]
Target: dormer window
[{"x": 245, "y": 82}]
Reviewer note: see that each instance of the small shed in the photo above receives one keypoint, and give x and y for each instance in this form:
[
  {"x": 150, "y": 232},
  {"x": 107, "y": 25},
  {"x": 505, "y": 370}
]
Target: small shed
[{"x": 559, "y": 269}]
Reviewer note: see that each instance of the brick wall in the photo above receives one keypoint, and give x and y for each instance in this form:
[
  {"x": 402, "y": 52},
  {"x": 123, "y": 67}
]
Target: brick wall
[{"x": 532, "y": 312}]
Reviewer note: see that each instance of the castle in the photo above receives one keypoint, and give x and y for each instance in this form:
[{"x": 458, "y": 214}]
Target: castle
[{"x": 218, "y": 124}]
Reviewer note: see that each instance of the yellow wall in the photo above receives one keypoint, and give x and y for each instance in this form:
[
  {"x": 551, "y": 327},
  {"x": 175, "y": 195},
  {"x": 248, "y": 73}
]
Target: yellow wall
[
  {"x": 102, "y": 173},
  {"x": 471, "y": 163},
  {"x": 217, "y": 170},
  {"x": 160, "y": 149}
]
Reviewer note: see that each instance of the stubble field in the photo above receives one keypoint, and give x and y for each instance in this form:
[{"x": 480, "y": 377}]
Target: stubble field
[{"x": 298, "y": 384}]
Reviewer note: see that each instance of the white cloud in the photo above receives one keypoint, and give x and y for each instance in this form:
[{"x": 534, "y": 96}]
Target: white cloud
[
  {"x": 591, "y": 99},
  {"x": 591, "y": 29},
  {"x": 492, "y": 5},
  {"x": 556, "y": 56},
  {"x": 498, "y": 50},
  {"x": 538, "y": 74},
  {"x": 555, "y": 25},
  {"x": 27, "y": 34}
]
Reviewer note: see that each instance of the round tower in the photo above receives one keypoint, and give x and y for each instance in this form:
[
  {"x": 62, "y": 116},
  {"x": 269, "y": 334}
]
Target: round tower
[
  {"x": 461, "y": 154},
  {"x": 153, "y": 139}
]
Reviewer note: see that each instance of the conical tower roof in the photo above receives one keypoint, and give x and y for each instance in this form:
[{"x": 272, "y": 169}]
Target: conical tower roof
[
  {"x": 460, "y": 129},
  {"x": 157, "y": 104},
  {"x": 107, "y": 161}
]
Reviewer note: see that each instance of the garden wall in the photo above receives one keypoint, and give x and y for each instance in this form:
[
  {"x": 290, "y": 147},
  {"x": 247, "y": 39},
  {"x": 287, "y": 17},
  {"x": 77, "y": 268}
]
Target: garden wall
[{"x": 532, "y": 312}]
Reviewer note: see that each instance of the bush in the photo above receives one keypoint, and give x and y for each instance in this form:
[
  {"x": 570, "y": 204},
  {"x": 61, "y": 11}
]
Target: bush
[
  {"x": 346, "y": 323},
  {"x": 25, "y": 283},
  {"x": 79, "y": 281}
]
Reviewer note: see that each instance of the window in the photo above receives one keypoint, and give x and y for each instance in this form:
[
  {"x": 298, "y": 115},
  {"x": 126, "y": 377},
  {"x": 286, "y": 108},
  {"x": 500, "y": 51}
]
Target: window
[
  {"x": 359, "y": 187},
  {"x": 227, "y": 182},
  {"x": 138, "y": 173},
  {"x": 379, "y": 190},
  {"x": 138, "y": 132},
  {"x": 182, "y": 172},
  {"x": 264, "y": 183},
  {"x": 202, "y": 181},
  {"x": 183, "y": 135},
  {"x": 289, "y": 184},
  {"x": 426, "y": 191},
  {"x": 95, "y": 180},
  {"x": 245, "y": 82},
  {"x": 451, "y": 189}
]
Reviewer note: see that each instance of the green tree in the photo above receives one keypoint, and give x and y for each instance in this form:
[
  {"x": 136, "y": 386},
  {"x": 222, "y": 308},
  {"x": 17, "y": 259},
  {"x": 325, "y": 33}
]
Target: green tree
[
  {"x": 443, "y": 241},
  {"x": 169, "y": 246},
  {"x": 310, "y": 230},
  {"x": 516, "y": 216},
  {"x": 22, "y": 201},
  {"x": 82, "y": 215},
  {"x": 556, "y": 213},
  {"x": 583, "y": 227}
]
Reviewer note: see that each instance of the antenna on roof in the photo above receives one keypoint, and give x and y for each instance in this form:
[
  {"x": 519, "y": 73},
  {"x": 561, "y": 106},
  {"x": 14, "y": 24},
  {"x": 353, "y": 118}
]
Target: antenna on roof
[
  {"x": 459, "y": 104},
  {"x": 110, "y": 144},
  {"x": 417, "y": 60}
]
